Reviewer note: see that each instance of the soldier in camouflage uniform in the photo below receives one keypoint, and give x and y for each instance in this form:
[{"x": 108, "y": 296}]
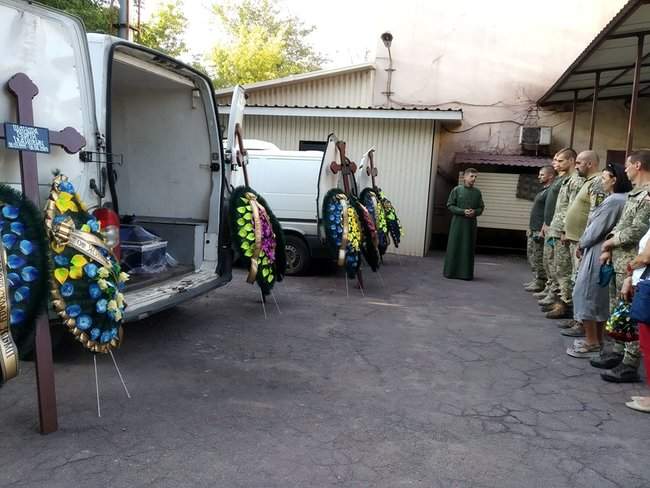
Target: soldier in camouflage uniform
[
  {"x": 589, "y": 196},
  {"x": 563, "y": 160},
  {"x": 621, "y": 248},
  {"x": 563, "y": 261},
  {"x": 535, "y": 240}
]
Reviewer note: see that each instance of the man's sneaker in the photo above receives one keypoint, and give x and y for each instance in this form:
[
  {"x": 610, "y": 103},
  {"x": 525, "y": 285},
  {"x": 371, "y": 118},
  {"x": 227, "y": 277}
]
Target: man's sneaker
[
  {"x": 607, "y": 360},
  {"x": 542, "y": 294},
  {"x": 526, "y": 285},
  {"x": 560, "y": 311},
  {"x": 576, "y": 330},
  {"x": 623, "y": 373}
]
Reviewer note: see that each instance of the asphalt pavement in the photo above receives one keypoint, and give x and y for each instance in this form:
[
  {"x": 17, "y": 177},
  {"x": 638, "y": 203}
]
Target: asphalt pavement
[{"x": 422, "y": 382}]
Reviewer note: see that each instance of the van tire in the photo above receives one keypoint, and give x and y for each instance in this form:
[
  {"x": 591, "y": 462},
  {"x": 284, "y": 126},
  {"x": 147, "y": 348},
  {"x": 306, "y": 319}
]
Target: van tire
[{"x": 298, "y": 257}]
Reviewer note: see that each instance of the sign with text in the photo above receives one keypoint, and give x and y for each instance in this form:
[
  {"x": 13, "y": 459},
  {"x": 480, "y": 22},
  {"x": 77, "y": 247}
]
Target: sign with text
[{"x": 27, "y": 138}]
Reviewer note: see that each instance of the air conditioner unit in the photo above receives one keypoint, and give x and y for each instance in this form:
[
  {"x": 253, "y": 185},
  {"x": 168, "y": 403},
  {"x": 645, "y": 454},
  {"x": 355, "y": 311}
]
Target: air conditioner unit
[{"x": 535, "y": 136}]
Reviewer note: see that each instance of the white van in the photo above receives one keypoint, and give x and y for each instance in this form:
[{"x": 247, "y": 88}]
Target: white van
[
  {"x": 153, "y": 149},
  {"x": 288, "y": 180}
]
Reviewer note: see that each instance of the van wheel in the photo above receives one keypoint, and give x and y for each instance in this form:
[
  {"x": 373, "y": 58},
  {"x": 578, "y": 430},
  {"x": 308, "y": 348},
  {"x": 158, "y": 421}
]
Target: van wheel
[{"x": 298, "y": 257}]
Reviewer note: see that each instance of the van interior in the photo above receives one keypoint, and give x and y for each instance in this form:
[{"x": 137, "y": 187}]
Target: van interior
[{"x": 157, "y": 122}]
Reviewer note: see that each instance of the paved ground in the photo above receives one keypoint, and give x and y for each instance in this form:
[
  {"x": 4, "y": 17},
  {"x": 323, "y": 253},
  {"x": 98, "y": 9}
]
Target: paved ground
[{"x": 423, "y": 383}]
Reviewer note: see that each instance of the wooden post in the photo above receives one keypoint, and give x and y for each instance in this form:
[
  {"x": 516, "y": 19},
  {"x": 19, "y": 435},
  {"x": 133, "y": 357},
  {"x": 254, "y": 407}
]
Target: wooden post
[
  {"x": 594, "y": 106},
  {"x": 635, "y": 96},
  {"x": 573, "y": 117}
]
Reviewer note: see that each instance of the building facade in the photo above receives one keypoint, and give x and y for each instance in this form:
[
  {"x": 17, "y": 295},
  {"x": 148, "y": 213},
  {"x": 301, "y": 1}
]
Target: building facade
[{"x": 489, "y": 61}]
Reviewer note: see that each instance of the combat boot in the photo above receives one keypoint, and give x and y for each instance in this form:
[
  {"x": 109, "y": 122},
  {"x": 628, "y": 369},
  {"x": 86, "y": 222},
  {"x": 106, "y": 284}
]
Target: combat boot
[
  {"x": 534, "y": 287},
  {"x": 542, "y": 294},
  {"x": 576, "y": 330},
  {"x": 549, "y": 300},
  {"x": 560, "y": 311},
  {"x": 623, "y": 373},
  {"x": 549, "y": 307},
  {"x": 567, "y": 324},
  {"x": 607, "y": 360}
]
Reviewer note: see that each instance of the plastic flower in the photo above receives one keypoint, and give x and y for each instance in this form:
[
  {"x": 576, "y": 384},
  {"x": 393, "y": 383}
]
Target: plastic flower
[
  {"x": 103, "y": 272},
  {"x": 79, "y": 261},
  {"x": 76, "y": 272},
  {"x": 102, "y": 283},
  {"x": 65, "y": 203},
  {"x": 123, "y": 277},
  {"x": 61, "y": 275}
]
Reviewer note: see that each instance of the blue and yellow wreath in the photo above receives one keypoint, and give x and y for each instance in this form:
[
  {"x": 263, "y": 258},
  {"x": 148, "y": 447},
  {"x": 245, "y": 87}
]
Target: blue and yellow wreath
[{"x": 87, "y": 281}]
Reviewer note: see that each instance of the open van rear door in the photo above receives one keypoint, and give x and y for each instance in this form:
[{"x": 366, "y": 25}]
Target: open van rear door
[
  {"x": 237, "y": 106},
  {"x": 50, "y": 48},
  {"x": 327, "y": 179},
  {"x": 362, "y": 175}
]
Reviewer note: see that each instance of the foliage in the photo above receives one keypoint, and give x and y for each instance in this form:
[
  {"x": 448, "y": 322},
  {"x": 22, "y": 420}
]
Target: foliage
[
  {"x": 165, "y": 30},
  {"x": 263, "y": 44},
  {"x": 97, "y": 15}
]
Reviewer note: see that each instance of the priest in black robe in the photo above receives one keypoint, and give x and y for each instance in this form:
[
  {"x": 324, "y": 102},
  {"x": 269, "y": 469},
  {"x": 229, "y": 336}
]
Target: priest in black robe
[{"x": 465, "y": 203}]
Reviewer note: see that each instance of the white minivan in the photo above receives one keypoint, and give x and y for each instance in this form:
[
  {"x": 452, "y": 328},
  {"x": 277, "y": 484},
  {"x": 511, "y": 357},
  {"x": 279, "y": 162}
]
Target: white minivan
[
  {"x": 153, "y": 149},
  {"x": 288, "y": 180}
]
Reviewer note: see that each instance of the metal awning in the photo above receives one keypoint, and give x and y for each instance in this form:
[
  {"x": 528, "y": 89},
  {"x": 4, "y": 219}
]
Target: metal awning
[
  {"x": 482, "y": 159},
  {"x": 443, "y": 115},
  {"x": 607, "y": 65}
]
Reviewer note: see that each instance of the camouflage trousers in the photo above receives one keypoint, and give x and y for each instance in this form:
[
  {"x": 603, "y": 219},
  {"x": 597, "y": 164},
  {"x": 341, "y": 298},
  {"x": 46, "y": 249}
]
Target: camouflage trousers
[
  {"x": 631, "y": 350},
  {"x": 564, "y": 270},
  {"x": 549, "y": 266},
  {"x": 535, "y": 252},
  {"x": 575, "y": 260}
]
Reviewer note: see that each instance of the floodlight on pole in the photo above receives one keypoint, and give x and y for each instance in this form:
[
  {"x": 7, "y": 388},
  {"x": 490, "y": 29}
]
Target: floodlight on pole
[{"x": 387, "y": 39}]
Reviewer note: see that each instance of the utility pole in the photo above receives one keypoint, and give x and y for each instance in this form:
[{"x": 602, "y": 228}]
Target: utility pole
[{"x": 123, "y": 29}]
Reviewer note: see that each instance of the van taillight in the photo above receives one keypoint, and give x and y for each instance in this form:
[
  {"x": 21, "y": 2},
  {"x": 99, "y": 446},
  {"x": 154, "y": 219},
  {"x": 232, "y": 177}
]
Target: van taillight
[{"x": 110, "y": 223}]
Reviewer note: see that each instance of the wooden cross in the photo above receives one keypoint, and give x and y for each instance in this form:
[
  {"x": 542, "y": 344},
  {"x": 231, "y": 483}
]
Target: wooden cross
[
  {"x": 347, "y": 167},
  {"x": 240, "y": 152},
  {"x": 24, "y": 89},
  {"x": 370, "y": 169}
]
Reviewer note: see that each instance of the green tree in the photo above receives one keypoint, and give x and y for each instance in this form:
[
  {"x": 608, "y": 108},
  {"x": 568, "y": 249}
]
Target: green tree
[
  {"x": 263, "y": 44},
  {"x": 97, "y": 15},
  {"x": 165, "y": 30}
]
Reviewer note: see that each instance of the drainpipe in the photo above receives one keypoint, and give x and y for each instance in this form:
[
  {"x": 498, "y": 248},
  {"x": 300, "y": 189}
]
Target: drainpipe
[{"x": 123, "y": 30}]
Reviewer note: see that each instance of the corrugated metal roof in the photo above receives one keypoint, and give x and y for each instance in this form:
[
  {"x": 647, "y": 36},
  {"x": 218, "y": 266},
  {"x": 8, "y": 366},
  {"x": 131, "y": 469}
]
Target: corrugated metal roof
[
  {"x": 479, "y": 159},
  {"x": 287, "y": 80},
  {"x": 384, "y": 109},
  {"x": 445, "y": 115},
  {"x": 613, "y": 54}
]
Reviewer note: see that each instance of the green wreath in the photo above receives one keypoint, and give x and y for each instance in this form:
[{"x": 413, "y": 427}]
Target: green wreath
[
  {"x": 394, "y": 225},
  {"x": 258, "y": 237}
]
